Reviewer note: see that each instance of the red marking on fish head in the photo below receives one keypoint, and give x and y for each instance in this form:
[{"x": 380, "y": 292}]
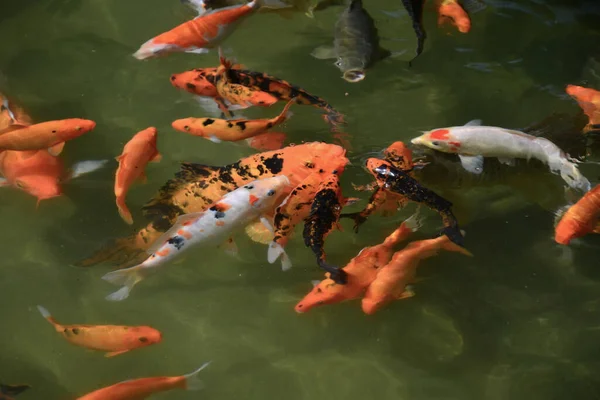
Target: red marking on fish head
[
  {"x": 439, "y": 134},
  {"x": 252, "y": 199}
]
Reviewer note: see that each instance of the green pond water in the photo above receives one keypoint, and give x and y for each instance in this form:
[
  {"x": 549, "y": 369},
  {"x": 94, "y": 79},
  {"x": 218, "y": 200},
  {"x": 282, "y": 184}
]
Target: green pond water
[{"x": 520, "y": 320}]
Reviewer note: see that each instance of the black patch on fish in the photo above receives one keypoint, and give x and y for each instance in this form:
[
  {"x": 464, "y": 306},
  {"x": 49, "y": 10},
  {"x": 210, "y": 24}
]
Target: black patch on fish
[
  {"x": 3, "y": 107},
  {"x": 274, "y": 164},
  {"x": 242, "y": 125},
  {"x": 176, "y": 241},
  {"x": 190, "y": 86},
  {"x": 13, "y": 390},
  {"x": 269, "y": 125},
  {"x": 397, "y": 181},
  {"x": 229, "y": 125},
  {"x": 208, "y": 121},
  {"x": 75, "y": 331}
]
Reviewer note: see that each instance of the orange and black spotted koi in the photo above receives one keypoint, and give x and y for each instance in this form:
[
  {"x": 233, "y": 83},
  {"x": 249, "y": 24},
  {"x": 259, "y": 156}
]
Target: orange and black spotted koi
[
  {"x": 284, "y": 90},
  {"x": 397, "y": 181},
  {"x": 323, "y": 218},
  {"x": 7, "y": 391}
]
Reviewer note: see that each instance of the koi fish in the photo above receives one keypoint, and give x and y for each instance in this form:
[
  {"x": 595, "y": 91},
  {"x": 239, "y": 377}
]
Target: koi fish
[
  {"x": 50, "y": 135},
  {"x": 40, "y": 173},
  {"x": 283, "y": 90},
  {"x": 7, "y": 391},
  {"x": 399, "y": 182},
  {"x": 196, "y": 81},
  {"x": 398, "y": 155},
  {"x": 579, "y": 219},
  {"x": 589, "y": 101},
  {"x": 472, "y": 142},
  {"x": 361, "y": 271},
  {"x": 392, "y": 279},
  {"x": 356, "y": 45},
  {"x": 267, "y": 141},
  {"x": 414, "y": 8},
  {"x": 209, "y": 227},
  {"x": 217, "y": 130},
  {"x": 137, "y": 153},
  {"x": 113, "y": 339},
  {"x": 451, "y": 10},
  {"x": 202, "y": 33},
  {"x": 139, "y": 389},
  {"x": 324, "y": 215},
  {"x": 196, "y": 186}
]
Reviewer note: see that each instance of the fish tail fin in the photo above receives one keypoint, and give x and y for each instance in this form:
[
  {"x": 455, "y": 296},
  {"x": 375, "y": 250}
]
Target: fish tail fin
[
  {"x": 13, "y": 390},
  {"x": 570, "y": 173},
  {"x": 275, "y": 251},
  {"x": 192, "y": 382},
  {"x": 454, "y": 234},
  {"x": 46, "y": 314},
  {"x": 127, "y": 277},
  {"x": 274, "y": 4},
  {"x": 448, "y": 245},
  {"x": 285, "y": 113},
  {"x": 120, "y": 252},
  {"x": 410, "y": 225},
  {"x": 124, "y": 211}
]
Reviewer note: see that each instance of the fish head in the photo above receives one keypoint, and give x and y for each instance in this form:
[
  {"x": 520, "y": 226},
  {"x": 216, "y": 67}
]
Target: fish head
[
  {"x": 71, "y": 128},
  {"x": 353, "y": 69},
  {"x": 42, "y": 186},
  {"x": 399, "y": 155},
  {"x": 354, "y": 75},
  {"x": 185, "y": 125},
  {"x": 148, "y": 135},
  {"x": 325, "y": 292},
  {"x": 195, "y": 82},
  {"x": 438, "y": 139},
  {"x": 568, "y": 229},
  {"x": 264, "y": 193},
  {"x": 579, "y": 92},
  {"x": 141, "y": 336}
]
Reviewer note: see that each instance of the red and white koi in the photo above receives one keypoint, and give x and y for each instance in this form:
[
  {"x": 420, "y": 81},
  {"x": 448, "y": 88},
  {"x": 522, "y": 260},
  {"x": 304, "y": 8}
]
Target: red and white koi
[
  {"x": 472, "y": 142},
  {"x": 213, "y": 226}
]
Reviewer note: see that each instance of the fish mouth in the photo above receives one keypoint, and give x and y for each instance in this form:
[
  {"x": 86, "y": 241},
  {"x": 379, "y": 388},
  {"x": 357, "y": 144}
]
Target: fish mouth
[{"x": 354, "y": 75}]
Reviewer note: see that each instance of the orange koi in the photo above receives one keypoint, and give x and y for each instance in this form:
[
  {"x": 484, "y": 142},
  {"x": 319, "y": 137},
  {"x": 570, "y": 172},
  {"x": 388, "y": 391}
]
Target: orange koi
[
  {"x": 392, "y": 279},
  {"x": 580, "y": 219},
  {"x": 139, "y": 389},
  {"x": 361, "y": 271},
  {"x": 200, "y": 34},
  {"x": 37, "y": 172},
  {"x": 7, "y": 391},
  {"x": 267, "y": 141},
  {"x": 589, "y": 101},
  {"x": 50, "y": 135},
  {"x": 217, "y": 130},
  {"x": 113, "y": 339},
  {"x": 452, "y": 11},
  {"x": 137, "y": 153}
]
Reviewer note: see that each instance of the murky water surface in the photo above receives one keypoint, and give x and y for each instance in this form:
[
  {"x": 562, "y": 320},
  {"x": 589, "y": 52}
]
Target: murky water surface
[{"x": 521, "y": 320}]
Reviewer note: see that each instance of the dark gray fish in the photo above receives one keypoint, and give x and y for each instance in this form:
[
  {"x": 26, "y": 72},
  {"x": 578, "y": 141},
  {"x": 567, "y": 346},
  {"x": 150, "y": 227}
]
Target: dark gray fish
[
  {"x": 12, "y": 390},
  {"x": 414, "y": 8},
  {"x": 356, "y": 43}
]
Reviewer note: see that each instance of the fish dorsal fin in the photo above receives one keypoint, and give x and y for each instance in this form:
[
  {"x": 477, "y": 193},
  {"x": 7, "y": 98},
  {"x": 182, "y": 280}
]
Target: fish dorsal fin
[
  {"x": 181, "y": 220},
  {"x": 474, "y": 122}
]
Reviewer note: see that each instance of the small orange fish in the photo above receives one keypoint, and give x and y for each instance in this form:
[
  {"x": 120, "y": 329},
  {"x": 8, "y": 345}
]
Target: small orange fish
[
  {"x": 267, "y": 141},
  {"x": 589, "y": 101},
  {"x": 50, "y": 135},
  {"x": 202, "y": 33},
  {"x": 580, "y": 219},
  {"x": 35, "y": 172},
  {"x": 451, "y": 10},
  {"x": 361, "y": 271},
  {"x": 196, "y": 82},
  {"x": 7, "y": 391},
  {"x": 217, "y": 130},
  {"x": 139, "y": 389},
  {"x": 113, "y": 339},
  {"x": 392, "y": 280},
  {"x": 137, "y": 153}
]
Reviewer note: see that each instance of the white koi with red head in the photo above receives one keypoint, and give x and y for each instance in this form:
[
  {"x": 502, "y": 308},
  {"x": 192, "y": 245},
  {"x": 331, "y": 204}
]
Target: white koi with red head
[
  {"x": 472, "y": 142},
  {"x": 213, "y": 226}
]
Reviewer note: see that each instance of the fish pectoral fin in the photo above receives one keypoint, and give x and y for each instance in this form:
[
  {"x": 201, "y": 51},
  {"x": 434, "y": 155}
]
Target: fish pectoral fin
[
  {"x": 214, "y": 139},
  {"x": 156, "y": 158},
  {"x": 196, "y": 50},
  {"x": 56, "y": 149},
  {"x": 323, "y": 53},
  {"x": 259, "y": 233},
  {"x": 85, "y": 167},
  {"x": 405, "y": 293},
  {"x": 115, "y": 353},
  {"x": 230, "y": 247},
  {"x": 473, "y": 164},
  {"x": 474, "y": 122},
  {"x": 507, "y": 161}
]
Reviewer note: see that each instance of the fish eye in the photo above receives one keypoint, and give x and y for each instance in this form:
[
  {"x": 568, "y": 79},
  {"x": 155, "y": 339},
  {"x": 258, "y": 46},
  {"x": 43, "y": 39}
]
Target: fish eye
[
  {"x": 270, "y": 192},
  {"x": 187, "y": 128},
  {"x": 54, "y": 131},
  {"x": 338, "y": 63},
  {"x": 78, "y": 128},
  {"x": 435, "y": 143},
  {"x": 143, "y": 339}
]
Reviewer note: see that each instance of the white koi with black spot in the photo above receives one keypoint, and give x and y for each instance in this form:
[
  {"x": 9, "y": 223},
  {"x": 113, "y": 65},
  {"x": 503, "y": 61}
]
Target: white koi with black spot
[{"x": 210, "y": 227}]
